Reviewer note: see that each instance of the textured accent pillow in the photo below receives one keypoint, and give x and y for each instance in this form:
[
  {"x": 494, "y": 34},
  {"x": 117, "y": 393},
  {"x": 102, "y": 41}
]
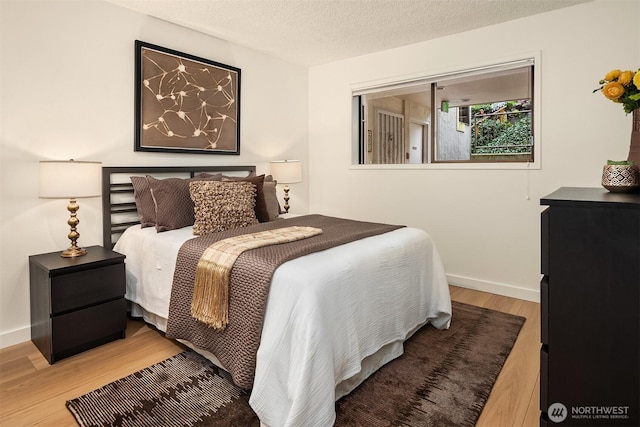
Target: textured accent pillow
[
  {"x": 261, "y": 205},
  {"x": 221, "y": 206},
  {"x": 144, "y": 201}
]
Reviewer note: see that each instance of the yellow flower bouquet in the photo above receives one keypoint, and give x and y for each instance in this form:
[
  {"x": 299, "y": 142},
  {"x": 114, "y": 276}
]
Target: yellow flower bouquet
[{"x": 622, "y": 87}]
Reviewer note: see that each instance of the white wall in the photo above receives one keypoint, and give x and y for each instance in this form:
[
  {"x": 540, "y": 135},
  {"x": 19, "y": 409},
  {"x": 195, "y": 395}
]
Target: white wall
[
  {"x": 66, "y": 77},
  {"x": 484, "y": 222},
  {"x": 67, "y": 89}
]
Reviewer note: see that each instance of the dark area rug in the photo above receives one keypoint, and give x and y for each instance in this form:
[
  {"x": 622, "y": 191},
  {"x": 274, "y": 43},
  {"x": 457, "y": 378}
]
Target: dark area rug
[{"x": 443, "y": 379}]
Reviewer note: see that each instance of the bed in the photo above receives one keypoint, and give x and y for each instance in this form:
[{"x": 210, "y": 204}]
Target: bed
[{"x": 332, "y": 316}]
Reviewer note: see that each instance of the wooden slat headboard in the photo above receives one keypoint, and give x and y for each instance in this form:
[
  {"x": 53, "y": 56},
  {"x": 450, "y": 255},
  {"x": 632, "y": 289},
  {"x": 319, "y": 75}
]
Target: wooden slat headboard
[{"x": 118, "y": 204}]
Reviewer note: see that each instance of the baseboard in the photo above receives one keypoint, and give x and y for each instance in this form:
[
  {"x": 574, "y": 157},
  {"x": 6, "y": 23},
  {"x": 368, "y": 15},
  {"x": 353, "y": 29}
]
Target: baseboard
[
  {"x": 17, "y": 336},
  {"x": 495, "y": 288}
]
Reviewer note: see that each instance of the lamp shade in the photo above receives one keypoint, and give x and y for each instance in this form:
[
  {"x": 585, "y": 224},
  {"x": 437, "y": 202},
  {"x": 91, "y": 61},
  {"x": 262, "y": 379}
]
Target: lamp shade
[
  {"x": 70, "y": 179},
  {"x": 286, "y": 171}
]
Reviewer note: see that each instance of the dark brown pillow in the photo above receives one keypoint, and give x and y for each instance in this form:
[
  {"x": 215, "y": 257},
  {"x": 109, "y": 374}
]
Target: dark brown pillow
[
  {"x": 212, "y": 176},
  {"x": 234, "y": 177},
  {"x": 173, "y": 204},
  {"x": 261, "y": 206},
  {"x": 172, "y": 201},
  {"x": 221, "y": 206},
  {"x": 144, "y": 201}
]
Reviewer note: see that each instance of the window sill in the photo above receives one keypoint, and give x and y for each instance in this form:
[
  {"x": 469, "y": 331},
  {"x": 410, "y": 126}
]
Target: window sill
[{"x": 450, "y": 166}]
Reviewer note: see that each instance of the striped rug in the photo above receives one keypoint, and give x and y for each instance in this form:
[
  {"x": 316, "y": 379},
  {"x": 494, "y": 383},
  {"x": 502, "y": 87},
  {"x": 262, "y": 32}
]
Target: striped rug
[{"x": 443, "y": 379}]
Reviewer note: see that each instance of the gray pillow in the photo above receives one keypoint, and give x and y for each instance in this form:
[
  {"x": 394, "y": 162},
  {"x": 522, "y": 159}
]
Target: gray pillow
[{"x": 271, "y": 199}]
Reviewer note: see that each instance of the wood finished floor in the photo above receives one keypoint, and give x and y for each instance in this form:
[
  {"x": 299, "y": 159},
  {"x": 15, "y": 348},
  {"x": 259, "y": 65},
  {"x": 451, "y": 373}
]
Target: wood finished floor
[{"x": 33, "y": 393}]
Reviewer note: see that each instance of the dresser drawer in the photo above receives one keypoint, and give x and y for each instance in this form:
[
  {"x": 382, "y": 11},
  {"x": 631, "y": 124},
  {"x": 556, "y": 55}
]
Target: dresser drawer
[
  {"x": 544, "y": 241},
  {"x": 544, "y": 310},
  {"x": 90, "y": 324},
  {"x": 544, "y": 379},
  {"x": 86, "y": 287}
]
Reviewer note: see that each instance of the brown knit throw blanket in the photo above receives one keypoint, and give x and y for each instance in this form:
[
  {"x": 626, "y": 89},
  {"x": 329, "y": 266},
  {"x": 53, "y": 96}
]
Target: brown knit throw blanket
[
  {"x": 210, "y": 303},
  {"x": 236, "y": 346}
]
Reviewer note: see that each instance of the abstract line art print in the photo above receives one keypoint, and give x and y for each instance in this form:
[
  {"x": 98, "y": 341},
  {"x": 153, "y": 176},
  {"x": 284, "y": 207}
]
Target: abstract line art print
[{"x": 185, "y": 103}]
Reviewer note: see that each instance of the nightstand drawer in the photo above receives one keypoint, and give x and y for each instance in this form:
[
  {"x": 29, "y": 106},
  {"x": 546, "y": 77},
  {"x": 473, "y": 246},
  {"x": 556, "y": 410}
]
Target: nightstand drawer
[
  {"x": 91, "y": 324},
  {"x": 83, "y": 288}
]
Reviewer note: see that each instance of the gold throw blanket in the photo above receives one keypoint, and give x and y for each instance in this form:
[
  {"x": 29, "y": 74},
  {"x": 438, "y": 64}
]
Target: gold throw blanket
[{"x": 210, "y": 303}]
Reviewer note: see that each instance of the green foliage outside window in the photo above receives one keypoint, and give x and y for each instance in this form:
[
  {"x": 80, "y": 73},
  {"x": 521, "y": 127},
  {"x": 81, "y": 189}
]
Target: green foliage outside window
[{"x": 501, "y": 128}]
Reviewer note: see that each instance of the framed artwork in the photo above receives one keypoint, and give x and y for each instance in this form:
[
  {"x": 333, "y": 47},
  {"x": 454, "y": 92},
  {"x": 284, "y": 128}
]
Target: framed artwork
[{"x": 185, "y": 103}]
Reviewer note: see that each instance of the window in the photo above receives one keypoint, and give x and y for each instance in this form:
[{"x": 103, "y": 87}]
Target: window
[{"x": 483, "y": 115}]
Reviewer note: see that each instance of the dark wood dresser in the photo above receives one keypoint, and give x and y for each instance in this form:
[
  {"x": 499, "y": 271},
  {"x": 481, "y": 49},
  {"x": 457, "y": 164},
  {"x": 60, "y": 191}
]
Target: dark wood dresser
[
  {"x": 76, "y": 303},
  {"x": 590, "y": 308}
]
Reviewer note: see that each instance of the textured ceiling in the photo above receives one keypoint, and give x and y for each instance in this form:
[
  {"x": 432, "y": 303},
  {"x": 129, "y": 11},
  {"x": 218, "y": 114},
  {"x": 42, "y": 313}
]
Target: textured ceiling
[{"x": 312, "y": 32}]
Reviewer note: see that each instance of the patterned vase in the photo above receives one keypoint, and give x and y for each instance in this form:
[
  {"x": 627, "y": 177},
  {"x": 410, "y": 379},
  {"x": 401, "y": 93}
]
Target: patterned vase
[{"x": 620, "y": 178}]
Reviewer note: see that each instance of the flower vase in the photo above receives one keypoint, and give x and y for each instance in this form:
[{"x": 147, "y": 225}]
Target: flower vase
[{"x": 634, "y": 148}]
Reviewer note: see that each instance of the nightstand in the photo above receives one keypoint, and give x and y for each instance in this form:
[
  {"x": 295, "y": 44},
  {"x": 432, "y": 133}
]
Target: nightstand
[{"x": 76, "y": 303}]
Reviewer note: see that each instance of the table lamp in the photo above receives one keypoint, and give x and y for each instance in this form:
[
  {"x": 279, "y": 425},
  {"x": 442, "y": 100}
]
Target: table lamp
[
  {"x": 286, "y": 172},
  {"x": 70, "y": 179}
]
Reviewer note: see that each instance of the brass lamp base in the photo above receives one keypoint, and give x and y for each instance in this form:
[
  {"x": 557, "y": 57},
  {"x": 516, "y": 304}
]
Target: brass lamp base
[
  {"x": 74, "y": 250},
  {"x": 286, "y": 199}
]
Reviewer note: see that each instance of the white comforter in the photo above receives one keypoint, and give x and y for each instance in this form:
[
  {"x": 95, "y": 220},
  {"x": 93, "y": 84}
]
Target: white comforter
[{"x": 328, "y": 314}]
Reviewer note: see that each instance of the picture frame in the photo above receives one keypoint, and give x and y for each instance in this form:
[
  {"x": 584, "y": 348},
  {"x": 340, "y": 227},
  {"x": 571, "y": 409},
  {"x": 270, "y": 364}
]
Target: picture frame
[{"x": 184, "y": 103}]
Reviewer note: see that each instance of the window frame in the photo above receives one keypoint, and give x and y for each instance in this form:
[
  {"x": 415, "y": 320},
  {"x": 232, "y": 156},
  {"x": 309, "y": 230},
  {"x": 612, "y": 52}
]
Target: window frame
[{"x": 370, "y": 87}]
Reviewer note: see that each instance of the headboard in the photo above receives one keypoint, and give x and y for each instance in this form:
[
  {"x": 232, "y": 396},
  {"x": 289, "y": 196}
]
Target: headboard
[{"x": 118, "y": 204}]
